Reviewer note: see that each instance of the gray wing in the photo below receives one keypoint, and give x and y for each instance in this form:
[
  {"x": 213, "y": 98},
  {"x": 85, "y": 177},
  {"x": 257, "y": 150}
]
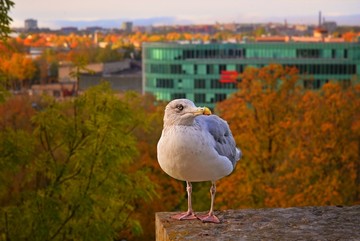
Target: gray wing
[{"x": 224, "y": 141}]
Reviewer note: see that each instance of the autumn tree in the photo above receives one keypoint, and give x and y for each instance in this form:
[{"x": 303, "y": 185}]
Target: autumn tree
[
  {"x": 299, "y": 146},
  {"x": 350, "y": 36},
  {"x": 323, "y": 166},
  {"x": 17, "y": 70},
  {"x": 71, "y": 176}
]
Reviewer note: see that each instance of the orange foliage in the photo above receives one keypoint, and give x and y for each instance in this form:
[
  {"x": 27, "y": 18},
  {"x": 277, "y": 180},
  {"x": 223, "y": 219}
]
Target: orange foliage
[
  {"x": 300, "y": 147},
  {"x": 17, "y": 68},
  {"x": 350, "y": 36},
  {"x": 16, "y": 112}
]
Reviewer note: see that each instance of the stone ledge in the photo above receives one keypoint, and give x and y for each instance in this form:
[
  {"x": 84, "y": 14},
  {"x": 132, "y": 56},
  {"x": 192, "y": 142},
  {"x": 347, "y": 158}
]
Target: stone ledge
[{"x": 297, "y": 223}]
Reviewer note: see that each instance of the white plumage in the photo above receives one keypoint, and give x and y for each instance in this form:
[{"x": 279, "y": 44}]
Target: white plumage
[{"x": 194, "y": 147}]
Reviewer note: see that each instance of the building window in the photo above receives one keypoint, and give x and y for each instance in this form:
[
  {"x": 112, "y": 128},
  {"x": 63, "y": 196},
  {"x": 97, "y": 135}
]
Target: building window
[
  {"x": 210, "y": 69},
  {"x": 222, "y": 67},
  {"x": 240, "y": 68},
  {"x": 197, "y": 54},
  {"x": 164, "y": 83},
  {"x": 238, "y": 53},
  {"x": 308, "y": 53},
  {"x": 175, "y": 69},
  {"x": 178, "y": 96},
  {"x": 352, "y": 69},
  {"x": 200, "y": 98},
  {"x": 155, "y": 68},
  {"x": 231, "y": 52},
  {"x": 186, "y": 54},
  {"x": 211, "y": 53},
  {"x": 199, "y": 84},
  {"x": 219, "y": 97},
  {"x": 216, "y": 84},
  {"x": 332, "y": 69}
]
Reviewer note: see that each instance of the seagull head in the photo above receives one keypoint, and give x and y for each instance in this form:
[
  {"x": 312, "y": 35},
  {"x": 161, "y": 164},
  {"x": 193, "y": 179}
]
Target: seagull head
[{"x": 183, "y": 112}]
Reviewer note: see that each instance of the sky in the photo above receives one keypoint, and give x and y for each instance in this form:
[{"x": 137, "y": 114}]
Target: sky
[{"x": 48, "y": 12}]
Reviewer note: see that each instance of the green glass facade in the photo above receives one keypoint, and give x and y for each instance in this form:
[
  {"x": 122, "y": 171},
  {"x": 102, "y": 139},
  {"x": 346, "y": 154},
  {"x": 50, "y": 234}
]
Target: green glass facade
[{"x": 177, "y": 70}]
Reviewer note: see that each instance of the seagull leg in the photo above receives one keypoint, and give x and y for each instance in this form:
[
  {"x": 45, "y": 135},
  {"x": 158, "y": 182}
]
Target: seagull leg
[
  {"x": 189, "y": 215},
  {"x": 210, "y": 217}
]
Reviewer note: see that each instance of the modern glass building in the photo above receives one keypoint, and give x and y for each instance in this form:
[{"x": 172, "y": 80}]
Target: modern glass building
[{"x": 193, "y": 70}]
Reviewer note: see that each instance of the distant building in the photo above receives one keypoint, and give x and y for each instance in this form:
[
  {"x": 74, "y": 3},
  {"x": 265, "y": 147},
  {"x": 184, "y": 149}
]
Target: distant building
[
  {"x": 208, "y": 73},
  {"x": 57, "y": 90},
  {"x": 301, "y": 27},
  {"x": 94, "y": 29},
  {"x": 31, "y": 24},
  {"x": 330, "y": 26},
  {"x": 122, "y": 75},
  {"x": 127, "y": 27},
  {"x": 69, "y": 30},
  {"x": 244, "y": 28}
]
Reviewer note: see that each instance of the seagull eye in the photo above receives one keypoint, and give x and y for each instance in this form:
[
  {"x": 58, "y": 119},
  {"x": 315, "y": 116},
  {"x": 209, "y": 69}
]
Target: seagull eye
[{"x": 180, "y": 107}]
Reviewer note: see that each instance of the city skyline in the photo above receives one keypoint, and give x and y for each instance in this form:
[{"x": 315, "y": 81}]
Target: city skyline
[{"x": 185, "y": 12}]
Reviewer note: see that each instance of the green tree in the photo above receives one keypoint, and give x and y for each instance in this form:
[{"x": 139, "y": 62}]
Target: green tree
[
  {"x": 170, "y": 192},
  {"x": 80, "y": 66},
  {"x": 108, "y": 54},
  {"x": 5, "y": 19},
  {"x": 259, "y": 31},
  {"x": 71, "y": 177}
]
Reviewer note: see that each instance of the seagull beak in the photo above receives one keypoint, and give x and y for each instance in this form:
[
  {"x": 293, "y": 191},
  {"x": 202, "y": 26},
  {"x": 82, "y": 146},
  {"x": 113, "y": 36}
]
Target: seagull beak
[
  {"x": 207, "y": 111},
  {"x": 202, "y": 111}
]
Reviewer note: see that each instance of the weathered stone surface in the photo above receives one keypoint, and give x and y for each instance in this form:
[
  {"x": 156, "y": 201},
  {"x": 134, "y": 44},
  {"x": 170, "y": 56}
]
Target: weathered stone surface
[{"x": 298, "y": 223}]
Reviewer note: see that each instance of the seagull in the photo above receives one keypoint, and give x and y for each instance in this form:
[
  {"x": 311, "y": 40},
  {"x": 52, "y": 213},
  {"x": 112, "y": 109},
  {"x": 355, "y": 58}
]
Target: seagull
[{"x": 196, "y": 146}]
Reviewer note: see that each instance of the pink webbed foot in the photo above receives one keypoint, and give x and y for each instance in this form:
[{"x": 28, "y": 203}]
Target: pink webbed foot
[
  {"x": 209, "y": 218},
  {"x": 185, "y": 216}
]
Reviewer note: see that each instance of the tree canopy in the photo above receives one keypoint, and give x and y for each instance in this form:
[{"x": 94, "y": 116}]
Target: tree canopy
[
  {"x": 68, "y": 173},
  {"x": 300, "y": 147}
]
